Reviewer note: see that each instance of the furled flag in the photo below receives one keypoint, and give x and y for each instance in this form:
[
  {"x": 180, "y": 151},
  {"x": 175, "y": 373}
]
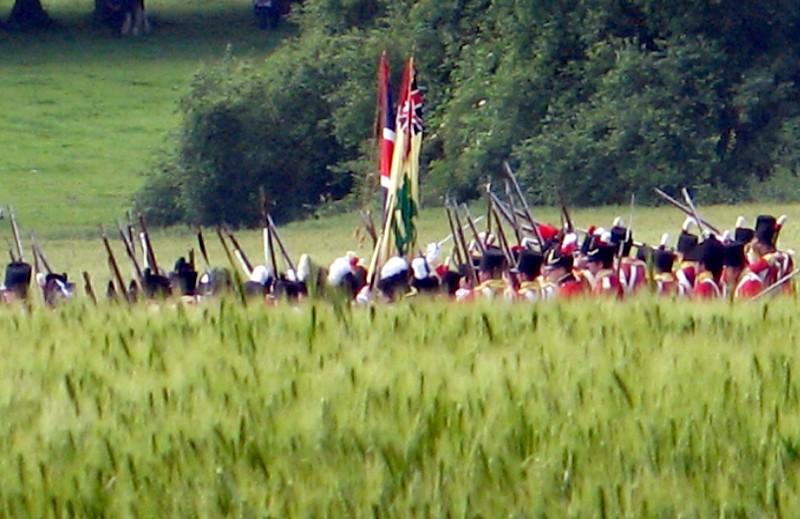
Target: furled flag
[
  {"x": 385, "y": 130},
  {"x": 403, "y": 196}
]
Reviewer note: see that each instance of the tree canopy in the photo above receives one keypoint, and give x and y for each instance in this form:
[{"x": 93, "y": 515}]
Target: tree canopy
[{"x": 597, "y": 98}]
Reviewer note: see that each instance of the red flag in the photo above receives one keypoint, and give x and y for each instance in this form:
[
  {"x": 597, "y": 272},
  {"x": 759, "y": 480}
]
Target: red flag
[{"x": 386, "y": 122}]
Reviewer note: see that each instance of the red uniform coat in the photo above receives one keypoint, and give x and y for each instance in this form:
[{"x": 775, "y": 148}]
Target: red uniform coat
[
  {"x": 666, "y": 284},
  {"x": 632, "y": 275},
  {"x": 706, "y": 287},
  {"x": 606, "y": 283}
]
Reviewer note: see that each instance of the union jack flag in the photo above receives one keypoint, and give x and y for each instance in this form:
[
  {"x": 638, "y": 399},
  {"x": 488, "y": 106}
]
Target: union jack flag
[{"x": 409, "y": 112}]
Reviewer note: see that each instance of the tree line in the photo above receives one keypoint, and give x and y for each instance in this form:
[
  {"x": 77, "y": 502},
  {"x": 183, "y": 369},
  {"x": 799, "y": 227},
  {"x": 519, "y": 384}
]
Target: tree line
[{"x": 596, "y": 99}]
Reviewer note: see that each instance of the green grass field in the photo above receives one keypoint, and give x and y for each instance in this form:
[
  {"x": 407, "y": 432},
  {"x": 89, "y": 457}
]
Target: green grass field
[
  {"x": 85, "y": 113},
  {"x": 642, "y": 409}
]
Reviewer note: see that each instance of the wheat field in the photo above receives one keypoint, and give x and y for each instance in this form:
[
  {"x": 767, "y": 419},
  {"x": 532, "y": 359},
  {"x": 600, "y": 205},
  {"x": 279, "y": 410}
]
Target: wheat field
[{"x": 644, "y": 408}]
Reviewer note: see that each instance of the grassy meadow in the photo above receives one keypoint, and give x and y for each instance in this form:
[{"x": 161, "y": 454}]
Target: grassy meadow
[
  {"x": 84, "y": 112},
  {"x": 642, "y": 409}
]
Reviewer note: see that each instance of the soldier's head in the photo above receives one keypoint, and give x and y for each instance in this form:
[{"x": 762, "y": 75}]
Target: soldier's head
[
  {"x": 557, "y": 264},
  {"x": 155, "y": 285},
  {"x": 600, "y": 257},
  {"x": 57, "y": 288},
  {"x": 622, "y": 238},
  {"x": 766, "y": 234},
  {"x": 184, "y": 277},
  {"x": 663, "y": 260},
  {"x": 712, "y": 256},
  {"x": 742, "y": 233},
  {"x": 394, "y": 277},
  {"x": 17, "y": 280},
  {"x": 529, "y": 264},
  {"x": 449, "y": 279},
  {"x": 734, "y": 262},
  {"x": 492, "y": 264},
  {"x": 687, "y": 241}
]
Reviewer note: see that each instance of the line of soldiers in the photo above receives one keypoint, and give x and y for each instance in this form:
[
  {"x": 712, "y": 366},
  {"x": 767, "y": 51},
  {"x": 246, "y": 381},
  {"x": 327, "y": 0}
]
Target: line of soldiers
[{"x": 742, "y": 264}]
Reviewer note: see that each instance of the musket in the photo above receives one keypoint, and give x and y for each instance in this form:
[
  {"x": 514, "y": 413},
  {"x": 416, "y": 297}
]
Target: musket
[
  {"x": 131, "y": 231},
  {"x": 693, "y": 209},
  {"x": 112, "y": 261},
  {"x": 514, "y": 222},
  {"x": 779, "y": 283},
  {"x": 131, "y": 254},
  {"x": 15, "y": 231},
  {"x": 456, "y": 243},
  {"x": 87, "y": 287},
  {"x": 464, "y": 248},
  {"x": 489, "y": 211},
  {"x": 521, "y": 196},
  {"x": 36, "y": 267},
  {"x": 151, "y": 254},
  {"x": 240, "y": 253},
  {"x": 201, "y": 242},
  {"x": 565, "y": 212},
  {"x": 501, "y": 236},
  {"x": 512, "y": 265},
  {"x": 38, "y": 253},
  {"x": 237, "y": 279},
  {"x": 684, "y": 209},
  {"x": 277, "y": 237},
  {"x": 267, "y": 237},
  {"x": 471, "y": 223},
  {"x": 450, "y": 236},
  {"x": 507, "y": 214}
]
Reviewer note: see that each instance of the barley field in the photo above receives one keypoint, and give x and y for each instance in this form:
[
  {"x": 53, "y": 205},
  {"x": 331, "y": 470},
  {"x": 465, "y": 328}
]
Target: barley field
[{"x": 639, "y": 409}]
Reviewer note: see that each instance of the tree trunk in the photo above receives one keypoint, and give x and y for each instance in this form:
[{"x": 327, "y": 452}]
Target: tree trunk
[
  {"x": 102, "y": 11},
  {"x": 28, "y": 14}
]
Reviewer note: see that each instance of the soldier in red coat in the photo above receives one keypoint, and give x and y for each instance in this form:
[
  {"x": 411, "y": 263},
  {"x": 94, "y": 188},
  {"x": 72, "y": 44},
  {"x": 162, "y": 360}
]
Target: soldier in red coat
[
  {"x": 687, "y": 253},
  {"x": 632, "y": 272},
  {"x": 600, "y": 271},
  {"x": 560, "y": 280},
  {"x": 529, "y": 269},
  {"x": 709, "y": 269},
  {"x": 739, "y": 281},
  {"x": 665, "y": 282},
  {"x": 764, "y": 254}
]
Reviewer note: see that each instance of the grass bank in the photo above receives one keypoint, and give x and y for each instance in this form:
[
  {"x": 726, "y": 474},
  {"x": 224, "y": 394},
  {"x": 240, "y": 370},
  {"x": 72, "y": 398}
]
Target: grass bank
[{"x": 84, "y": 113}]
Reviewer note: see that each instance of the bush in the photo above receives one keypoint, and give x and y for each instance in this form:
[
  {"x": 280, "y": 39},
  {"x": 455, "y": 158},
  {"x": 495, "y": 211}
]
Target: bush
[{"x": 245, "y": 130}]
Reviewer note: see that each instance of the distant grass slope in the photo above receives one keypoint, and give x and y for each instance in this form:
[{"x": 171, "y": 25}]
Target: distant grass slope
[{"x": 83, "y": 113}]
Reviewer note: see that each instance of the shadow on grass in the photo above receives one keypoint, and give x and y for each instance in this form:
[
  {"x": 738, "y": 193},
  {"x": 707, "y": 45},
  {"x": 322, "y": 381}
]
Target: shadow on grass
[{"x": 190, "y": 33}]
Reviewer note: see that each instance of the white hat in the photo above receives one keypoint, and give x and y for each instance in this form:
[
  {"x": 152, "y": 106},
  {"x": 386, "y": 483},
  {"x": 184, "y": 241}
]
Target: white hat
[
  {"x": 338, "y": 270},
  {"x": 420, "y": 268},
  {"x": 260, "y": 274},
  {"x": 303, "y": 267},
  {"x": 393, "y": 266}
]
